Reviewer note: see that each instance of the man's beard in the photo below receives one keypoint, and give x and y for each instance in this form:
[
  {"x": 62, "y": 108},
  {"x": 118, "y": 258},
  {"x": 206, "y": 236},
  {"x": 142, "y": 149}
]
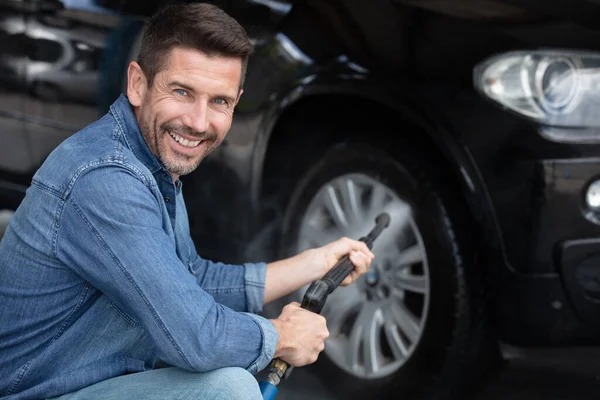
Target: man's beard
[{"x": 178, "y": 164}]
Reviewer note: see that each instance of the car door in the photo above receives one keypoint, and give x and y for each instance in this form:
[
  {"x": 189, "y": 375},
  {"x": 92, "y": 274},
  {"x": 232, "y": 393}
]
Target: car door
[
  {"x": 14, "y": 46},
  {"x": 67, "y": 77}
]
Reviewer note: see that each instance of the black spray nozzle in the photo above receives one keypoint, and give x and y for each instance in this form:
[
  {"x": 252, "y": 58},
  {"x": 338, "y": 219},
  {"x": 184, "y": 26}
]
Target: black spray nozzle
[{"x": 381, "y": 222}]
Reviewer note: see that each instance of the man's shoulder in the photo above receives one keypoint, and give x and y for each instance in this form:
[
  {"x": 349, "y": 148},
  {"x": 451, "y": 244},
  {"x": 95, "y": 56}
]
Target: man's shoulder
[{"x": 98, "y": 145}]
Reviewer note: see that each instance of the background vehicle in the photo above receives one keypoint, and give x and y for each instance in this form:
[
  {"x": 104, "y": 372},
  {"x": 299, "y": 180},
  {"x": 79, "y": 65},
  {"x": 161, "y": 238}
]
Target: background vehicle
[{"x": 486, "y": 160}]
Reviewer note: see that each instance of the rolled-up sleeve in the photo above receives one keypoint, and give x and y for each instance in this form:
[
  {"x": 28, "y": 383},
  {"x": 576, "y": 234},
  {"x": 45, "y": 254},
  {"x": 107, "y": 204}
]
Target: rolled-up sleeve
[
  {"x": 254, "y": 277},
  {"x": 270, "y": 338},
  {"x": 239, "y": 287},
  {"x": 111, "y": 232}
]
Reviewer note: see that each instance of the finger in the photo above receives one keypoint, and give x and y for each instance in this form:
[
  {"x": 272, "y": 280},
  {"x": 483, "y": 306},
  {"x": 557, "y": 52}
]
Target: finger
[
  {"x": 347, "y": 280},
  {"x": 360, "y": 261},
  {"x": 363, "y": 248}
]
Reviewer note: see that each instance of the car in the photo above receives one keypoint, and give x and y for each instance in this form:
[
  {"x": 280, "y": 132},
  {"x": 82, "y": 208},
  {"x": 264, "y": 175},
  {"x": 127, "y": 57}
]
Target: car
[{"x": 473, "y": 124}]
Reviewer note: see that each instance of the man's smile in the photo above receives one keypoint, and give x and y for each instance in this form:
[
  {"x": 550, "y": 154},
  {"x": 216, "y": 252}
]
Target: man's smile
[{"x": 183, "y": 141}]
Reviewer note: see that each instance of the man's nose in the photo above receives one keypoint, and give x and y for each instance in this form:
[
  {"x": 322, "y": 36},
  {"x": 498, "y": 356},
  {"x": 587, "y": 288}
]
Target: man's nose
[{"x": 197, "y": 119}]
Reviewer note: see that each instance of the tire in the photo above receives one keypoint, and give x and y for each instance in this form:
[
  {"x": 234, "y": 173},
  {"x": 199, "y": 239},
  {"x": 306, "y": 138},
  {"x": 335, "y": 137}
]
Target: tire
[{"x": 453, "y": 347}]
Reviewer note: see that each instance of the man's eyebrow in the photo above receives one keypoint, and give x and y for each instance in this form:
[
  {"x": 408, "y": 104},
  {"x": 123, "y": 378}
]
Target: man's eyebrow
[
  {"x": 182, "y": 85},
  {"x": 190, "y": 89}
]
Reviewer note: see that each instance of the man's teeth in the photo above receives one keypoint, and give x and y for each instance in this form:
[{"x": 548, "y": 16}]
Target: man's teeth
[{"x": 184, "y": 142}]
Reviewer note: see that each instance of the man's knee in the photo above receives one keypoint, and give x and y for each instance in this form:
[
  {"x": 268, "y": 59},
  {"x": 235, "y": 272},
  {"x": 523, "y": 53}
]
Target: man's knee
[{"x": 237, "y": 384}]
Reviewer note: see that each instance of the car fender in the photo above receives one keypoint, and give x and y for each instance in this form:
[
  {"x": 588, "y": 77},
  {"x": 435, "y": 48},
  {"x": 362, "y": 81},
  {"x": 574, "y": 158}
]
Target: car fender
[{"x": 410, "y": 106}]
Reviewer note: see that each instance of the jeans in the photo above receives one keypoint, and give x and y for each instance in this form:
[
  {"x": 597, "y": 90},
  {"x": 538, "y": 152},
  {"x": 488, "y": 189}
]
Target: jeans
[{"x": 174, "y": 383}]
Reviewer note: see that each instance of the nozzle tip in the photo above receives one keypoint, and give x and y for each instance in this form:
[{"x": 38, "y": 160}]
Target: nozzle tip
[{"x": 383, "y": 219}]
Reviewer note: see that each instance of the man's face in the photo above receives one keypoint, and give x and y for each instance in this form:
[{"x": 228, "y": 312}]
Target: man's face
[{"x": 188, "y": 110}]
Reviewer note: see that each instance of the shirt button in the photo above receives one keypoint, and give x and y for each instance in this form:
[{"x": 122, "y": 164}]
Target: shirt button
[{"x": 167, "y": 199}]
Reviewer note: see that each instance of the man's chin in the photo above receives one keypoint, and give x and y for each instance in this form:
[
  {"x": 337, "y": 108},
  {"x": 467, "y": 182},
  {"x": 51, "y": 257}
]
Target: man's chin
[{"x": 180, "y": 169}]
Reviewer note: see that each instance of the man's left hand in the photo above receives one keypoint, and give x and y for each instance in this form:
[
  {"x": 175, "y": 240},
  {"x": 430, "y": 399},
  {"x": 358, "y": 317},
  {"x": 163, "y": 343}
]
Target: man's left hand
[{"x": 327, "y": 256}]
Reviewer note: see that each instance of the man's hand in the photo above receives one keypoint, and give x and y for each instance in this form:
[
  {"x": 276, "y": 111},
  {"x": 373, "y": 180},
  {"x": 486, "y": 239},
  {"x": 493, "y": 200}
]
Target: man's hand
[
  {"x": 302, "y": 335},
  {"x": 327, "y": 256}
]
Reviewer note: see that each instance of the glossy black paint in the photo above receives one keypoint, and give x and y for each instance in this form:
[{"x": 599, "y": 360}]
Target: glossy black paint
[{"x": 322, "y": 69}]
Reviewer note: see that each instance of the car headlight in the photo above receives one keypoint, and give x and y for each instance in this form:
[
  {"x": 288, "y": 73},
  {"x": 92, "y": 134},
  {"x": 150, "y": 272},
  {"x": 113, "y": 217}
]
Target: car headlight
[{"x": 557, "y": 89}]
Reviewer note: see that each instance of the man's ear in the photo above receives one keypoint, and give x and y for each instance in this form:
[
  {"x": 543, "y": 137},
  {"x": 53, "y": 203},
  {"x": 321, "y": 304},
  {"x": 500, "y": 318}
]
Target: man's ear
[
  {"x": 136, "y": 84},
  {"x": 238, "y": 97}
]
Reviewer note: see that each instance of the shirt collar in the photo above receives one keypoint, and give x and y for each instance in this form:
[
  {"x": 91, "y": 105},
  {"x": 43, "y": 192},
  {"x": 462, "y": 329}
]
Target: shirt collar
[{"x": 122, "y": 110}]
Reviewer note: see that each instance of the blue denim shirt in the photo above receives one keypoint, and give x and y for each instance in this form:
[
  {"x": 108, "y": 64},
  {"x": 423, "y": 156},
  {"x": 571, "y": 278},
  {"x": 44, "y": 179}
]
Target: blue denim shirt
[{"x": 99, "y": 276}]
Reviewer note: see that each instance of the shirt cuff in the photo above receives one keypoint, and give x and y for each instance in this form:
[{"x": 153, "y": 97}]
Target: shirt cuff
[
  {"x": 254, "y": 278},
  {"x": 270, "y": 337}
]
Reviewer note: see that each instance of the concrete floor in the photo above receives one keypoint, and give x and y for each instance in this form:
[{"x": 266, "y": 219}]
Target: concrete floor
[{"x": 533, "y": 374}]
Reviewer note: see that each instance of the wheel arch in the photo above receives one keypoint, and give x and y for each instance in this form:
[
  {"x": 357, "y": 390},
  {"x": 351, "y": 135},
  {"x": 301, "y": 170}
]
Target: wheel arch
[{"x": 309, "y": 108}]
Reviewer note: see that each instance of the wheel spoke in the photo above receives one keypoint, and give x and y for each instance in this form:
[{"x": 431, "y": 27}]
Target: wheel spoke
[
  {"x": 395, "y": 341},
  {"x": 332, "y": 203},
  {"x": 314, "y": 236},
  {"x": 412, "y": 283},
  {"x": 364, "y": 337},
  {"x": 339, "y": 306},
  {"x": 350, "y": 196},
  {"x": 406, "y": 321},
  {"x": 378, "y": 196},
  {"x": 372, "y": 342},
  {"x": 410, "y": 255}
]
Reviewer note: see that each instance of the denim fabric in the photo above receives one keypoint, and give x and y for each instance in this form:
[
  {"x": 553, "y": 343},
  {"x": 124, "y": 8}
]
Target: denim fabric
[
  {"x": 99, "y": 276},
  {"x": 173, "y": 384}
]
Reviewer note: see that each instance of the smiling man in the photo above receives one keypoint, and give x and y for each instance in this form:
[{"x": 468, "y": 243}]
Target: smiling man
[{"x": 102, "y": 293}]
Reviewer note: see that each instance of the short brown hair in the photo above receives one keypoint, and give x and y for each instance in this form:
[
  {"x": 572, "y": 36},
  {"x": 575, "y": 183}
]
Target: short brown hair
[{"x": 198, "y": 26}]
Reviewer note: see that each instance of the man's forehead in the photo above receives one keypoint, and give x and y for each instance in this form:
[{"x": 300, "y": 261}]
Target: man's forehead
[{"x": 191, "y": 65}]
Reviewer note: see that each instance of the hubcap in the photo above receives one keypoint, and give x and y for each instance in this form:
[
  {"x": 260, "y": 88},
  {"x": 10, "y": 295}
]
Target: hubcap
[{"x": 376, "y": 323}]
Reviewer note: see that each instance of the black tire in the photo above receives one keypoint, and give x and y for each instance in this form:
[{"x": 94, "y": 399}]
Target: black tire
[{"x": 454, "y": 348}]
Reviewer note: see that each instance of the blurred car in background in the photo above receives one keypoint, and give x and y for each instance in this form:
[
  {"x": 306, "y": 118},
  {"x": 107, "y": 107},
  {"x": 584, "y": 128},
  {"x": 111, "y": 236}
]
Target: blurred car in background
[{"x": 473, "y": 123}]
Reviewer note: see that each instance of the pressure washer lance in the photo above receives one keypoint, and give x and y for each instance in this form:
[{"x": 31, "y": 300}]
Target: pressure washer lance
[{"x": 314, "y": 300}]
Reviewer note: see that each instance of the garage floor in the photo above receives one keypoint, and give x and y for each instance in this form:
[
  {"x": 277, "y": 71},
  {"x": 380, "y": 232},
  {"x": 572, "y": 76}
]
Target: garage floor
[{"x": 544, "y": 374}]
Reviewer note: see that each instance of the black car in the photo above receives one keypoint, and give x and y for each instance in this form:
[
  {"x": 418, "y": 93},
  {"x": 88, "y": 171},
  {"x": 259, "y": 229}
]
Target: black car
[{"x": 474, "y": 124}]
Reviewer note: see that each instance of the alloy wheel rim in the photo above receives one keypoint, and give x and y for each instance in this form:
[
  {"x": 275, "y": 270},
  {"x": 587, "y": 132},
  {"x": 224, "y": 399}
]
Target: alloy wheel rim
[{"x": 376, "y": 323}]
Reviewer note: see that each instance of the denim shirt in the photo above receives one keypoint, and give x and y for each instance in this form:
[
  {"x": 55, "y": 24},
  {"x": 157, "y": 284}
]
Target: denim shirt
[{"x": 99, "y": 276}]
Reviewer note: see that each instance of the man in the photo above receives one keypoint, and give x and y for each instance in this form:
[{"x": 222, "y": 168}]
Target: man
[{"x": 100, "y": 283}]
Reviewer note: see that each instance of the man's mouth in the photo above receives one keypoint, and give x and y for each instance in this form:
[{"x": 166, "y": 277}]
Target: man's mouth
[{"x": 183, "y": 141}]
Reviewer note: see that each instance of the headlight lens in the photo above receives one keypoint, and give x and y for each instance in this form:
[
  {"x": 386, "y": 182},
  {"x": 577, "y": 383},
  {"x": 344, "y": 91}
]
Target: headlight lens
[{"x": 553, "y": 88}]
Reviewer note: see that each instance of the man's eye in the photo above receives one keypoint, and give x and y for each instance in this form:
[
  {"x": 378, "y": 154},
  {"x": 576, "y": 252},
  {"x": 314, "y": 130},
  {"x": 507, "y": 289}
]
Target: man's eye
[
  {"x": 181, "y": 92},
  {"x": 220, "y": 102}
]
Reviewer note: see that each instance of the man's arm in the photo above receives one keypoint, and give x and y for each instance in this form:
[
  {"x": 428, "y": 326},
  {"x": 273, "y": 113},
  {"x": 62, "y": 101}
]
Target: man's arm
[
  {"x": 255, "y": 284},
  {"x": 111, "y": 233},
  {"x": 286, "y": 276},
  {"x": 247, "y": 287}
]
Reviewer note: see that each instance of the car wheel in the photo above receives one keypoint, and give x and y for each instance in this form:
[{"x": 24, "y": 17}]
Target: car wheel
[{"x": 408, "y": 328}]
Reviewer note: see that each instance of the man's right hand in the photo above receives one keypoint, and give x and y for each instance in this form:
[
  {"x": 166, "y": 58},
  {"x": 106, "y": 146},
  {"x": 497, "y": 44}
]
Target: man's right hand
[{"x": 302, "y": 335}]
